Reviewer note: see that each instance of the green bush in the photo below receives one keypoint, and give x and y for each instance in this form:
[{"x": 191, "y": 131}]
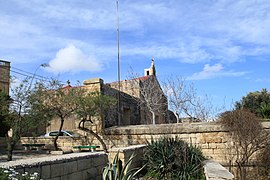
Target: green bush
[{"x": 173, "y": 158}]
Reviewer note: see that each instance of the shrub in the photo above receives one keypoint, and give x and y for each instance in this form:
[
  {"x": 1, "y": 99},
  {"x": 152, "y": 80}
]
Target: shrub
[
  {"x": 248, "y": 135},
  {"x": 173, "y": 158},
  {"x": 264, "y": 161}
]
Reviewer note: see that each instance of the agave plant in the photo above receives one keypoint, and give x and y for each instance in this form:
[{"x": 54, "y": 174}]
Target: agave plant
[
  {"x": 173, "y": 158},
  {"x": 116, "y": 170}
]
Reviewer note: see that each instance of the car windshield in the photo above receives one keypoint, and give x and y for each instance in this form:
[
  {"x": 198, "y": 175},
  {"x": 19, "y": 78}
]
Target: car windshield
[
  {"x": 73, "y": 134},
  {"x": 55, "y": 133}
]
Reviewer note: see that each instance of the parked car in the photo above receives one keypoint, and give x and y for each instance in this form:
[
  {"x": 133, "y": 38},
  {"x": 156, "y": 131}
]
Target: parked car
[{"x": 62, "y": 133}]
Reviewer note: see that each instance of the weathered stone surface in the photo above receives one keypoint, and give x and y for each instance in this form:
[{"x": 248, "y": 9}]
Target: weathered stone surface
[
  {"x": 85, "y": 163},
  {"x": 70, "y": 167},
  {"x": 56, "y": 178},
  {"x": 76, "y": 175},
  {"x": 46, "y": 172},
  {"x": 57, "y": 170},
  {"x": 214, "y": 171}
]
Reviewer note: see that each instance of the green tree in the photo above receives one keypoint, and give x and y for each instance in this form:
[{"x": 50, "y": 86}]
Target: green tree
[
  {"x": 91, "y": 106},
  {"x": 61, "y": 102},
  {"x": 20, "y": 116},
  {"x": 58, "y": 101},
  {"x": 257, "y": 102}
]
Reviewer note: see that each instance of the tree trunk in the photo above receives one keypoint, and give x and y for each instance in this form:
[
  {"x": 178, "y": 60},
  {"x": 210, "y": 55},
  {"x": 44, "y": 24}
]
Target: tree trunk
[
  {"x": 95, "y": 135},
  {"x": 10, "y": 148},
  {"x": 9, "y": 151},
  {"x": 153, "y": 117},
  {"x": 177, "y": 117},
  {"x": 56, "y": 138}
]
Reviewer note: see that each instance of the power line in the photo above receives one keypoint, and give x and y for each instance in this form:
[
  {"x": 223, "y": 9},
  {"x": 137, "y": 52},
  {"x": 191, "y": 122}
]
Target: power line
[
  {"x": 27, "y": 75},
  {"x": 32, "y": 74}
]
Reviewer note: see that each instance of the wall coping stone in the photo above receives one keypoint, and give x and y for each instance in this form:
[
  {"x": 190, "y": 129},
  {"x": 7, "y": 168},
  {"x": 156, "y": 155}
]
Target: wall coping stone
[
  {"x": 214, "y": 171},
  {"x": 41, "y": 161},
  {"x": 175, "y": 128},
  {"x": 128, "y": 148}
]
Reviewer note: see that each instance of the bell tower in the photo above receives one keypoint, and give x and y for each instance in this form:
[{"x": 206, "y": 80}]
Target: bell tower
[{"x": 151, "y": 70}]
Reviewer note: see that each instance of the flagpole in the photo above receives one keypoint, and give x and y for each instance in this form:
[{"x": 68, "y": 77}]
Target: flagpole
[{"x": 118, "y": 67}]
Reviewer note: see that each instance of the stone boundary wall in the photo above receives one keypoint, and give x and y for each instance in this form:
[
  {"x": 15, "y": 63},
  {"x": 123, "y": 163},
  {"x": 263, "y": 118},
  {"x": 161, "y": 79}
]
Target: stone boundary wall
[
  {"x": 89, "y": 166},
  {"x": 73, "y": 166},
  {"x": 126, "y": 152},
  {"x": 213, "y": 140},
  {"x": 65, "y": 143},
  {"x": 83, "y": 166}
]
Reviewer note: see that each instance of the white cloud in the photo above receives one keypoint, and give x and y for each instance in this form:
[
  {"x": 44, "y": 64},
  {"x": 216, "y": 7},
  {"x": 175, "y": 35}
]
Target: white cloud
[
  {"x": 72, "y": 59},
  {"x": 210, "y": 72}
]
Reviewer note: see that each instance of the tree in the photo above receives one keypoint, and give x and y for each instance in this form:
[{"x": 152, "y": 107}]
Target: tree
[
  {"x": 179, "y": 95},
  {"x": 264, "y": 110},
  {"x": 184, "y": 101},
  {"x": 59, "y": 101},
  {"x": 20, "y": 113},
  {"x": 91, "y": 106},
  {"x": 247, "y": 134},
  {"x": 257, "y": 102},
  {"x": 152, "y": 97},
  {"x": 149, "y": 95},
  {"x": 62, "y": 102}
]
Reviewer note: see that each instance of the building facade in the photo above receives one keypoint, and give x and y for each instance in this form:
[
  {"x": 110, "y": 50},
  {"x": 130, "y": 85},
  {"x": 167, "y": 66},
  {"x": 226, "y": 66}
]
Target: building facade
[{"x": 4, "y": 76}]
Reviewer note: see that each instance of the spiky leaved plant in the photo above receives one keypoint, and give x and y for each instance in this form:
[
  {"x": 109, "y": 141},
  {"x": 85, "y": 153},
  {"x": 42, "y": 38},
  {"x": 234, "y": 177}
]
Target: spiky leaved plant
[
  {"x": 116, "y": 170},
  {"x": 173, "y": 158}
]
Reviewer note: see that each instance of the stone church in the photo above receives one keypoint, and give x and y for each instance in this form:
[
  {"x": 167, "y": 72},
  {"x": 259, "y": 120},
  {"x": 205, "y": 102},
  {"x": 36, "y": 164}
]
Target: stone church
[{"x": 130, "y": 110}]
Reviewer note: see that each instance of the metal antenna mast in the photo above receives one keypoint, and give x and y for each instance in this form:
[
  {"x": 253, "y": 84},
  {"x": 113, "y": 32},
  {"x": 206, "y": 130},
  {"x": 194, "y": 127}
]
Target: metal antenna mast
[{"x": 118, "y": 70}]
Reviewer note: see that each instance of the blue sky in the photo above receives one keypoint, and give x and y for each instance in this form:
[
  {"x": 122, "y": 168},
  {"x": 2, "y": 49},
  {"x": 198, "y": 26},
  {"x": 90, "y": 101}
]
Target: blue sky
[{"x": 221, "y": 46}]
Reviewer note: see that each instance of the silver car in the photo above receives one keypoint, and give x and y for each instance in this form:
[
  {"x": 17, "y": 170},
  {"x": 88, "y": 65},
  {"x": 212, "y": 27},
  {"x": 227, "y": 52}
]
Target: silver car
[{"x": 62, "y": 133}]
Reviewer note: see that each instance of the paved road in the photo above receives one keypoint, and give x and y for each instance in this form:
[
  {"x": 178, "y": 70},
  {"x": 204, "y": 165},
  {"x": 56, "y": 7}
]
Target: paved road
[{"x": 21, "y": 154}]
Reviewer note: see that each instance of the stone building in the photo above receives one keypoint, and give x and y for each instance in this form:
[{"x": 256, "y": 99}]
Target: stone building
[
  {"x": 130, "y": 111},
  {"x": 4, "y": 76}
]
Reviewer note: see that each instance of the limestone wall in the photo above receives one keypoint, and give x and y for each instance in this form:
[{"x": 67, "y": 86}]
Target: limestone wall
[
  {"x": 83, "y": 166},
  {"x": 65, "y": 143},
  {"x": 210, "y": 137},
  {"x": 214, "y": 141},
  {"x": 126, "y": 152}
]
